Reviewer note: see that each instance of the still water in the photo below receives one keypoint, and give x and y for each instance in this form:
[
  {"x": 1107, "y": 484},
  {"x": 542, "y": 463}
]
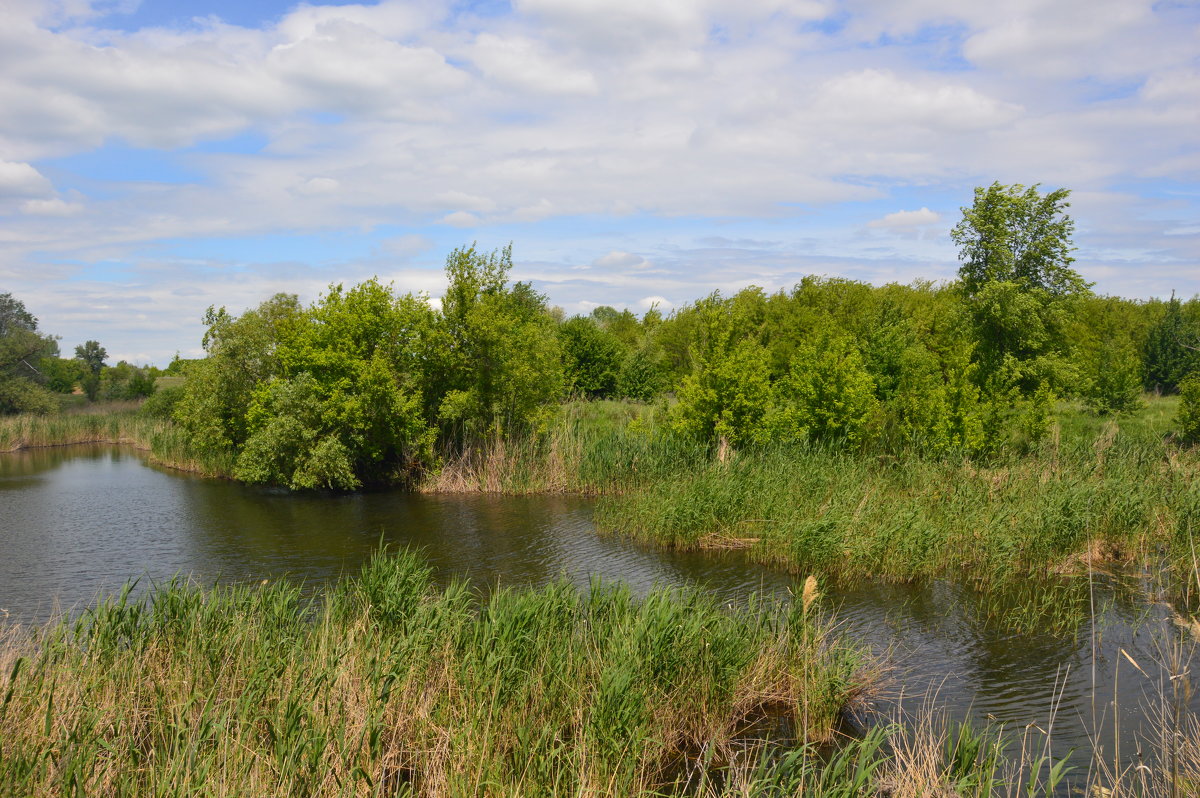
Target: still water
[{"x": 76, "y": 522}]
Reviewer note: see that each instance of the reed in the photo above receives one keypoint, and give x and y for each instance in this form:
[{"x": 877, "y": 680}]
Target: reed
[{"x": 384, "y": 684}]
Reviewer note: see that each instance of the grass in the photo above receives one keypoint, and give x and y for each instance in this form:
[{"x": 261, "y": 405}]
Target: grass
[
  {"x": 384, "y": 685},
  {"x": 1098, "y": 493},
  {"x": 117, "y": 423}
]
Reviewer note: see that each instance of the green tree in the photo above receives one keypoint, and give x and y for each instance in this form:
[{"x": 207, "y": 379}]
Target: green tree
[
  {"x": 1112, "y": 382},
  {"x": 1016, "y": 276},
  {"x": 1014, "y": 234},
  {"x": 1187, "y": 420},
  {"x": 592, "y": 357},
  {"x": 503, "y": 357},
  {"x": 725, "y": 397},
  {"x": 643, "y": 375},
  {"x": 243, "y": 351},
  {"x": 22, "y": 348},
  {"x": 1172, "y": 350},
  {"x": 92, "y": 356},
  {"x": 827, "y": 396},
  {"x": 62, "y": 374}
]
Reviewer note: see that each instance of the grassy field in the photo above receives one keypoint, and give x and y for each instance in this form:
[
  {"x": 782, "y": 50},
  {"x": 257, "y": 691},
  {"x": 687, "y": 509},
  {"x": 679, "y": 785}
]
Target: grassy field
[{"x": 384, "y": 685}]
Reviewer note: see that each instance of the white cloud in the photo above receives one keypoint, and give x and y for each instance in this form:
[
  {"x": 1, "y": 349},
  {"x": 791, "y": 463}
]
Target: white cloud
[
  {"x": 521, "y": 63},
  {"x": 460, "y": 219},
  {"x": 22, "y": 180},
  {"x": 51, "y": 207},
  {"x": 621, "y": 260},
  {"x": 317, "y": 185},
  {"x": 907, "y": 219}
]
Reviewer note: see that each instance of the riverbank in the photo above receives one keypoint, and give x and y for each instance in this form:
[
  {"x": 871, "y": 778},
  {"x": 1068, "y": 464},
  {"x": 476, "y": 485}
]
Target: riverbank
[
  {"x": 120, "y": 424},
  {"x": 383, "y": 684}
]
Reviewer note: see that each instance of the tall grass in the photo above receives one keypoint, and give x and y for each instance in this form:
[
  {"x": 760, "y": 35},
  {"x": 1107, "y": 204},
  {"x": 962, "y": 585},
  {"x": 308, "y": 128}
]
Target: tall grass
[
  {"x": 384, "y": 685},
  {"x": 114, "y": 423},
  {"x": 1074, "y": 505},
  {"x": 588, "y": 447}
]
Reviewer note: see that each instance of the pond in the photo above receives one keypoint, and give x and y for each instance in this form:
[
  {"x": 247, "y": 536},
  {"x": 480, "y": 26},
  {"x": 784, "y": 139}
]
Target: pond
[{"x": 79, "y": 521}]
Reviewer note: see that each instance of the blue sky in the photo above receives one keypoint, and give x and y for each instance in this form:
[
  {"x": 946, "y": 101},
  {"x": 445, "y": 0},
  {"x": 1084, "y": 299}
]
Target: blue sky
[{"x": 160, "y": 157}]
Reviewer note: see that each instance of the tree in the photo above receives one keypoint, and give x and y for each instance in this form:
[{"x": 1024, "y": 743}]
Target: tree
[
  {"x": 827, "y": 396},
  {"x": 1187, "y": 419},
  {"x": 14, "y": 316},
  {"x": 1172, "y": 350},
  {"x": 503, "y": 363},
  {"x": 22, "y": 348},
  {"x": 725, "y": 398},
  {"x": 92, "y": 355},
  {"x": 592, "y": 357},
  {"x": 1015, "y": 247},
  {"x": 1014, "y": 234}
]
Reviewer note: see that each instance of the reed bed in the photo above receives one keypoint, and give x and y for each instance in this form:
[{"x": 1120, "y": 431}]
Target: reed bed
[
  {"x": 116, "y": 427},
  {"x": 385, "y": 685},
  {"x": 116, "y": 424},
  {"x": 848, "y": 517}
]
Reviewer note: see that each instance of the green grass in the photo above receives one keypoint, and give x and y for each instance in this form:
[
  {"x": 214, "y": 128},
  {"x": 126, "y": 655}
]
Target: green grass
[
  {"x": 386, "y": 685},
  {"x": 1098, "y": 492}
]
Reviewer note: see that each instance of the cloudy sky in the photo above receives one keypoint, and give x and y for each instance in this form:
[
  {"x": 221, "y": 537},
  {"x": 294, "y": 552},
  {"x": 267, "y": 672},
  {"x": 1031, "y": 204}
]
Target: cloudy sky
[{"x": 160, "y": 157}]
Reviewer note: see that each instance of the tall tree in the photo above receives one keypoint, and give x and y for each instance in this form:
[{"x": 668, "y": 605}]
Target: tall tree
[
  {"x": 1015, "y": 247},
  {"x": 92, "y": 355}
]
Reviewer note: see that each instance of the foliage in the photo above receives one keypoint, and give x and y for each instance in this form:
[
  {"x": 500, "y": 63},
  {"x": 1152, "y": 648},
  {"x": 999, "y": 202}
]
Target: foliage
[
  {"x": 727, "y": 393},
  {"x": 127, "y": 381},
  {"x": 92, "y": 356},
  {"x": 503, "y": 356},
  {"x": 242, "y": 352},
  {"x": 1172, "y": 348},
  {"x": 1017, "y": 280},
  {"x": 642, "y": 375},
  {"x": 1187, "y": 421},
  {"x": 592, "y": 357},
  {"x": 1113, "y": 379},
  {"x": 828, "y": 396},
  {"x": 22, "y": 349},
  {"x": 1013, "y": 234},
  {"x": 62, "y": 374},
  {"x": 161, "y": 403}
]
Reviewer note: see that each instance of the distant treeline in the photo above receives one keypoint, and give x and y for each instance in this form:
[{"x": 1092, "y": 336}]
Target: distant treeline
[{"x": 33, "y": 377}]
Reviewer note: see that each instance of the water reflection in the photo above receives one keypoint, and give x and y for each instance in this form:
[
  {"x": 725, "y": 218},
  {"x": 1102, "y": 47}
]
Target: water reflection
[{"x": 80, "y": 520}]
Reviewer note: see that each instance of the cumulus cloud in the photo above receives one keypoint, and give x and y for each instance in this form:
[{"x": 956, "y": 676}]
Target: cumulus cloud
[
  {"x": 22, "y": 180},
  {"x": 907, "y": 219}
]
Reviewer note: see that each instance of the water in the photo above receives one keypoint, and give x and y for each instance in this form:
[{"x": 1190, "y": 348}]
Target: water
[{"x": 76, "y": 522}]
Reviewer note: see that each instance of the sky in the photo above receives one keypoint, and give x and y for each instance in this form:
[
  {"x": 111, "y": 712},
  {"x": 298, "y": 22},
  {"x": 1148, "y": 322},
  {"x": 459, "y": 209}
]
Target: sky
[{"x": 160, "y": 157}]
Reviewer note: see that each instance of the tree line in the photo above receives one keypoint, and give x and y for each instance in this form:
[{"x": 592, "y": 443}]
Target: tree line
[
  {"x": 33, "y": 377},
  {"x": 369, "y": 386}
]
